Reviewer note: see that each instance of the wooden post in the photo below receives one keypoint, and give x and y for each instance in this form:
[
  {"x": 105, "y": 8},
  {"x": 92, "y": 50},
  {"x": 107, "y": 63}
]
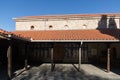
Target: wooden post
[
  {"x": 80, "y": 51},
  {"x": 26, "y": 57},
  {"x": 9, "y": 56},
  {"x": 108, "y": 59},
  {"x": 52, "y": 58}
]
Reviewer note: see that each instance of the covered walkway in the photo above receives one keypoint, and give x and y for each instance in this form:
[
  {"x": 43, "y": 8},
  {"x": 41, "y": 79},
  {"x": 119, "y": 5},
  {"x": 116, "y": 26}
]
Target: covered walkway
[{"x": 42, "y": 46}]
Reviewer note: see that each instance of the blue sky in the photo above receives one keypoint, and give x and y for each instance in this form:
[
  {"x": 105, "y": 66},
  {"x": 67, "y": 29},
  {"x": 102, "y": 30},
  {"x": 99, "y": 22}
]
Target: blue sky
[{"x": 16, "y": 8}]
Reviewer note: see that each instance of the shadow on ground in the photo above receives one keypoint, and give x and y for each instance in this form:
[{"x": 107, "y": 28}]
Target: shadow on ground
[{"x": 60, "y": 72}]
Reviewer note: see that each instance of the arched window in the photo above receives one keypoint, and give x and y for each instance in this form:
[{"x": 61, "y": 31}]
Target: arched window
[
  {"x": 84, "y": 26},
  {"x": 32, "y": 27},
  {"x": 66, "y": 26},
  {"x": 50, "y": 26}
]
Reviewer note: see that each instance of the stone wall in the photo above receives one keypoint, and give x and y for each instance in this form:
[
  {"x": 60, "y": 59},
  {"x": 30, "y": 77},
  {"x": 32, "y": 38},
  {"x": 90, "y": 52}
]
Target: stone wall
[{"x": 68, "y": 24}]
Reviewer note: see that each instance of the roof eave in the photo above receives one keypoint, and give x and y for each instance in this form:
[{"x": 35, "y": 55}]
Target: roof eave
[
  {"x": 75, "y": 40},
  {"x": 11, "y": 36}
]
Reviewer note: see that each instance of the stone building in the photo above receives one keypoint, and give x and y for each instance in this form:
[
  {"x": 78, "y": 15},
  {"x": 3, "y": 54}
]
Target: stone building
[
  {"x": 75, "y": 38},
  {"x": 68, "y": 31},
  {"x": 68, "y": 22}
]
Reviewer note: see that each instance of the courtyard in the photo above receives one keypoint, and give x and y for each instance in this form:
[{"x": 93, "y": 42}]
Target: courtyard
[{"x": 66, "y": 72}]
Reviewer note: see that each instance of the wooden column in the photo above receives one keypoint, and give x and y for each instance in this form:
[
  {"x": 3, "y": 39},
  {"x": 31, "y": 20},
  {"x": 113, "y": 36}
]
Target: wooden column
[
  {"x": 26, "y": 56},
  {"x": 52, "y": 58},
  {"x": 108, "y": 58},
  {"x": 9, "y": 56},
  {"x": 80, "y": 51}
]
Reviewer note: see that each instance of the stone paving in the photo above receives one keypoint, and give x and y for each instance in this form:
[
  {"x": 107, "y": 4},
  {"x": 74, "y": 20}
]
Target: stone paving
[{"x": 66, "y": 72}]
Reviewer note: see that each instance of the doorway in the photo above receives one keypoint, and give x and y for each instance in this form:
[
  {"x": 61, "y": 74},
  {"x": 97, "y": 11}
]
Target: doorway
[{"x": 58, "y": 52}]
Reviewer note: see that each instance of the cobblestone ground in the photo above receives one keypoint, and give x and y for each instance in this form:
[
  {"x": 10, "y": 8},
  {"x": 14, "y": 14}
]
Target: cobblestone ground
[{"x": 66, "y": 72}]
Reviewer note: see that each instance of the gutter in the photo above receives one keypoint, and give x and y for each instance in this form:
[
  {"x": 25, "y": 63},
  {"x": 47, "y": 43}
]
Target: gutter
[{"x": 75, "y": 40}]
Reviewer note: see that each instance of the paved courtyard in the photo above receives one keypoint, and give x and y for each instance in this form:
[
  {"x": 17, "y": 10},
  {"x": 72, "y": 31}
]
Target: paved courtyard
[{"x": 66, "y": 72}]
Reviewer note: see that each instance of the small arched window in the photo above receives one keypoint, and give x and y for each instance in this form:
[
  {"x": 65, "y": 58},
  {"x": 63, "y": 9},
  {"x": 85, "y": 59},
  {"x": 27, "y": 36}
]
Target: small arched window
[
  {"x": 84, "y": 26},
  {"x": 50, "y": 26},
  {"x": 66, "y": 26},
  {"x": 32, "y": 27}
]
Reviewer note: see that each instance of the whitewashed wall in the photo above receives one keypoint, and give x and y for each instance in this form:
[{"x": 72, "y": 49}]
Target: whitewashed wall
[{"x": 63, "y": 24}]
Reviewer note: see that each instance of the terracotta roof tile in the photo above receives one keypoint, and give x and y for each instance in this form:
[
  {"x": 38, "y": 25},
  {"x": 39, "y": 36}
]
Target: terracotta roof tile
[
  {"x": 6, "y": 33},
  {"x": 105, "y": 34}
]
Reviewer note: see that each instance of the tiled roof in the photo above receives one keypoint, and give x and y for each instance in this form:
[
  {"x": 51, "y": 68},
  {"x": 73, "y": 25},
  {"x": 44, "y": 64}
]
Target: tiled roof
[
  {"x": 6, "y": 34},
  {"x": 105, "y": 34},
  {"x": 69, "y": 15}
]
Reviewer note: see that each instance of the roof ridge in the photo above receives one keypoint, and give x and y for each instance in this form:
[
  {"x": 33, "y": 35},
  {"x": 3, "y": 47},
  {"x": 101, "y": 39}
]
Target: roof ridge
[{"x": 67, "y": 15}]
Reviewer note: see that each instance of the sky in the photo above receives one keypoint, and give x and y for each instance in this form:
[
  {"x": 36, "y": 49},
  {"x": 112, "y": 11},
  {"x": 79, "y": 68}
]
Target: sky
[{"x": 10, "y": 9}]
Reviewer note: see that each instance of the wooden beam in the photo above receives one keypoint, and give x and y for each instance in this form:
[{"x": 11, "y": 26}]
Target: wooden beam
[
  {"x": 80, "y": 51},
  {"x": 3, "y": 37},
  {"x": 9, "y": 56},
  {"x": 108, "y": 59}
]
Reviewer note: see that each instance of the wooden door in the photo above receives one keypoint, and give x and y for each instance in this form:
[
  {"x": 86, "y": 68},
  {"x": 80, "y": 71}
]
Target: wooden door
[{"x": 58, "y": 52}]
